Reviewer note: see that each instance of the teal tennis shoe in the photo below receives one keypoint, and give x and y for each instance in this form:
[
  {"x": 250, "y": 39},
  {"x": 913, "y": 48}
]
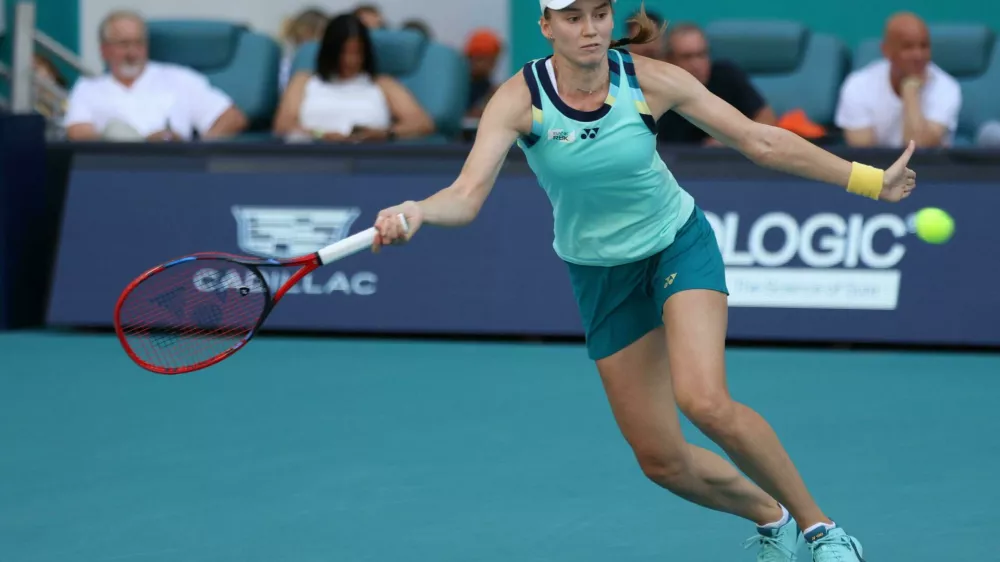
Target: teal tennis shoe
[
  {"x": 833, "y": 544},
  {"x": 777, "y": 544}
]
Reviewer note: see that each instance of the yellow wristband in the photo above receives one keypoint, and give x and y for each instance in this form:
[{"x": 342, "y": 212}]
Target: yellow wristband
[{"x": 865, "y": 180}]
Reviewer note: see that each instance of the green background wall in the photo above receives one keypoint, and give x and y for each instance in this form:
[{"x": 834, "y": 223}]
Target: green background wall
[{"x": 851, "y": 20}]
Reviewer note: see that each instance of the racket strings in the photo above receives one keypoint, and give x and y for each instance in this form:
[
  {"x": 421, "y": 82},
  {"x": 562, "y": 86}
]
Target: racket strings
[
  {"x": 163, "y": 328},
  {"x": 201, "y": 342},
  {"x": 192, "y": 312},
  {"x": 164, "y": 342},
  {"x": 182, "y": 345}
]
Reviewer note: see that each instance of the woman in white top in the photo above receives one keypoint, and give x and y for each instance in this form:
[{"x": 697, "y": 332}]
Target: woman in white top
[{"x": 345, "y": 99}]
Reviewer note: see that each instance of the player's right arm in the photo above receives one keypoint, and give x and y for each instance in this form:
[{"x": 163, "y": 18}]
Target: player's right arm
[{"x": 507, "y": 115}]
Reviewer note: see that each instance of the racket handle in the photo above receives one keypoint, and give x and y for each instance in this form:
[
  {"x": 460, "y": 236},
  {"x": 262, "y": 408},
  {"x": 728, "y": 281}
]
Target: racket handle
[{"x": 353, "y": 244}]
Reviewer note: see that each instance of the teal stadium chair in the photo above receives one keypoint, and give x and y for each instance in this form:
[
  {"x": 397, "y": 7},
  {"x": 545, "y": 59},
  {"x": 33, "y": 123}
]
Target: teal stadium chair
[
  {"x": 793, "y": 67},
  {"x": 970, "y": 53},
  {"x": 438, "y": 76},
  {"x": 242, "y": 63}
]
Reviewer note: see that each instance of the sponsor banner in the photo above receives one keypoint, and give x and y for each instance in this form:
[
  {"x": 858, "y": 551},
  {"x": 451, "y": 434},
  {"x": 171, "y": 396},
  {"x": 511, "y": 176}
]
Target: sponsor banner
[
  {"x": 805, "y": 262},
  {"x": 493, "y": 277}
]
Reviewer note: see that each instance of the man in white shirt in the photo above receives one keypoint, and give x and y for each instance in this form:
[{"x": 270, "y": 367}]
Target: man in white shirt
[
  {"x": 141, "y": 99},
  {"x": 902, "y": 97}
]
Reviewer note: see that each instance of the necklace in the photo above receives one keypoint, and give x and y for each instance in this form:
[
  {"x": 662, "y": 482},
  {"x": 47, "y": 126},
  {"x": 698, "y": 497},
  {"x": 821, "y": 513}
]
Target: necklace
[{"x": 588, "y": 92}]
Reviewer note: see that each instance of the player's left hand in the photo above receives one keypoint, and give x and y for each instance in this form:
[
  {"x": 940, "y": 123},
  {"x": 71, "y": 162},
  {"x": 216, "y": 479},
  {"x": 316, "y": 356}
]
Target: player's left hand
[{"x": 898, "y": 181}]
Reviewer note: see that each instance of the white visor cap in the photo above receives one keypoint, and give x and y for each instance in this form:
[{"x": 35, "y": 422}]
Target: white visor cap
[{"x": 557, "y": 4}]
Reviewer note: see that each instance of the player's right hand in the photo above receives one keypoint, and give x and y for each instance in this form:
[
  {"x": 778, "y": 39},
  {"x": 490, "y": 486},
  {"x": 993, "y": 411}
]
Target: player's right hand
[{"x": 389, "y": 229}]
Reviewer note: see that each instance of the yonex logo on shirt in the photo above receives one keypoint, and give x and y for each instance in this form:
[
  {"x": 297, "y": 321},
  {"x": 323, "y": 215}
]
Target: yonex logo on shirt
[{"x": 590, "y": 133}]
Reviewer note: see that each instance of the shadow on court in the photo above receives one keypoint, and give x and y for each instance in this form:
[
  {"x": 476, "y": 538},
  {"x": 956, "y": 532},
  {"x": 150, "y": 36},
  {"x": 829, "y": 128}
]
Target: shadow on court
[{"x": 326, "y": 450}]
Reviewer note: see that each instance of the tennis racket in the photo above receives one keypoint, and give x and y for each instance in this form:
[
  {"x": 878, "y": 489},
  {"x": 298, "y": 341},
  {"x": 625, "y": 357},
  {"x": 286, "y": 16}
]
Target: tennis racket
[{"x": 193, "y": 312}]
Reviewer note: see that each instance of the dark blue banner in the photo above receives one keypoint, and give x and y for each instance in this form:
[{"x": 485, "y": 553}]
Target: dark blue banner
[
  {"x": 495, "y": 276},
  {"x": 805, "y": 262}
]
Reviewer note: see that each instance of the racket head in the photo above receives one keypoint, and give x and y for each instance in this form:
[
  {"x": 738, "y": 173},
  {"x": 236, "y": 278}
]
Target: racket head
[{"x": 193, "y": 312}]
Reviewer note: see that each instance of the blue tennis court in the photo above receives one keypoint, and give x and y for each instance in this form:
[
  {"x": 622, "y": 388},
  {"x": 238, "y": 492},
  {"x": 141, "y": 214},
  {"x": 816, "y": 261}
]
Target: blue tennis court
[{"x": 325, "y": 449}]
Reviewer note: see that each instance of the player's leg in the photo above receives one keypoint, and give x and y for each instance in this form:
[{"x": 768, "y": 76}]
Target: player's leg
[
  {"x": 696, "y": 331},
  {"x": 637, "y": 382},
  {"x": 696, "y": 334},
  {"x": 695, "y": 313},
  {"x": 625, "y": 337}
]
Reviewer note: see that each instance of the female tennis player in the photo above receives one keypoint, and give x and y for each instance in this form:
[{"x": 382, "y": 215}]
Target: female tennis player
[{"x": 645, "y": 266}]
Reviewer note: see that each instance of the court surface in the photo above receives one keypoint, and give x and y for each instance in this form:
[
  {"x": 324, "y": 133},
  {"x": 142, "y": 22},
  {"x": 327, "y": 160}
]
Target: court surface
[{"x": 344, "y": 450}]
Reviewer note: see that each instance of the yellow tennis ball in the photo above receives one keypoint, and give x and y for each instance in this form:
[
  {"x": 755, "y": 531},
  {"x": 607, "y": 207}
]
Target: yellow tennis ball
[{"x": 934, "y": 226}]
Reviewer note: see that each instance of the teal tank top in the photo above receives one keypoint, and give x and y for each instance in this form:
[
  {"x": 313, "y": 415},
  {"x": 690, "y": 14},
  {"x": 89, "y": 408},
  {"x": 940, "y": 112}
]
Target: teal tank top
[{"x": 613, "y": 199}]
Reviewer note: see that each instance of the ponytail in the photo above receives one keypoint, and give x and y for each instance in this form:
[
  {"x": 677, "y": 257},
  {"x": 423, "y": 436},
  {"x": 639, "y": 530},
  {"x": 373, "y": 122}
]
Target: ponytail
[{"x": 647, "y": 31}]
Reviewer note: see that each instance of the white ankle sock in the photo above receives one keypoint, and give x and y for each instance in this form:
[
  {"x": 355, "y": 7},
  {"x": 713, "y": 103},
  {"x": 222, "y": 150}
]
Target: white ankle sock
[
  {"x": 817, "y": 526},
  {"x": 784, "y": 519}
]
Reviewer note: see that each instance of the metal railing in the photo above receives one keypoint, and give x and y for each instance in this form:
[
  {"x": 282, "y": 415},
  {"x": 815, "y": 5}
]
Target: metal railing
[{"x": 24, "y": 82}]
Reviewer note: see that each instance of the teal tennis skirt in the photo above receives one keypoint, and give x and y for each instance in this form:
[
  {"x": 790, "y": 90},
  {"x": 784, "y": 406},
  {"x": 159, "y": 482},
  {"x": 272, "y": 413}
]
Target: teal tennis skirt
[{"x": 620, "y": 304}]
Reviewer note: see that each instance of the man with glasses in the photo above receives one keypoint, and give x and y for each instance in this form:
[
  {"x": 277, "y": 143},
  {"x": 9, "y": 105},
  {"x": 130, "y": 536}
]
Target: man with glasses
[
  {"x": 138, "y": 99},
  {"x": 685, "y": 46}
]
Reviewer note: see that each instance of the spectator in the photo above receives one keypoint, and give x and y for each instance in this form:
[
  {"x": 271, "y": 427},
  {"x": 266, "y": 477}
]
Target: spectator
[
  {"x": 420, "y": 26},
  {"x": 345, "y": 99},
  {"x": 901, "y": 97},
  {"x": 370, "y": 15},
  {"x": 687, "y": 47},
  {"x": 654, "y": 49},
  {"x": 482, "y": 49},
  {"x": 142, "y": 99},
  {"x": 306, "y": 27}
]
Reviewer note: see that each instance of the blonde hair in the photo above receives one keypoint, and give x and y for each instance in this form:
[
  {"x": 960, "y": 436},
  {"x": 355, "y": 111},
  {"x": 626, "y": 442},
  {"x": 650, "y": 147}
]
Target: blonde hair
[
  {"x": 647, "y": 30},
  {"x": 306, "y": 26}
]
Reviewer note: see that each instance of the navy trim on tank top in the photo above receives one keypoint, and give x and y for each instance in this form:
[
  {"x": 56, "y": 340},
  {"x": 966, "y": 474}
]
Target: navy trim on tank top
[
  {"x": 614, "y": 73},
  {"x": 535, "y": 135},
  {"x": 633, "y": 82}
]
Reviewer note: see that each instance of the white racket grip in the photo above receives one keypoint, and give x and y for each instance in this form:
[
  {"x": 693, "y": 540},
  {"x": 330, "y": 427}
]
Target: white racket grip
[{"x": 353, "y": 244}]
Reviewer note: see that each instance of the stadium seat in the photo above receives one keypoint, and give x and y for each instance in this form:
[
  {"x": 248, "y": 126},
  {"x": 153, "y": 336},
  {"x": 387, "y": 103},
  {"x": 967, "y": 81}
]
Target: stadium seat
[
  {"x": 867, "y": 51},
  {"x": 238, "y": 61},
  {"x": 438, "y": 76},
  {"x": 971, "y": 54},
  {"x": 793, "y": 67}
]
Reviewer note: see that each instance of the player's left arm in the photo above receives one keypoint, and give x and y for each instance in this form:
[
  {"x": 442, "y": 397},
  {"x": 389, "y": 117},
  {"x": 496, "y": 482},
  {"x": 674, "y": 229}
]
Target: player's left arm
[
  {"x": 669, "y": 87},
  {"x": 748, "y": 98}
]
